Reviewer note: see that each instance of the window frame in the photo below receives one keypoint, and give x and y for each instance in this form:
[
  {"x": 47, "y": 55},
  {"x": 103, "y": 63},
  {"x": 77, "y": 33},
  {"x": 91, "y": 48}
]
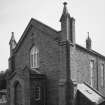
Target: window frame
[
  {"x": 102, "y": 74},
  {"x": 91, "y": 71},
  {"x": 37, "y": 98},
  {"x": 34, "y": 57}
]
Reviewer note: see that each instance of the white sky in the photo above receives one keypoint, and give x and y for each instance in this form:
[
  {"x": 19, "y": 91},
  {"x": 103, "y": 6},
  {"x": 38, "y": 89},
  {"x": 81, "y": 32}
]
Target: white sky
[{"x": 16, "y": 14}]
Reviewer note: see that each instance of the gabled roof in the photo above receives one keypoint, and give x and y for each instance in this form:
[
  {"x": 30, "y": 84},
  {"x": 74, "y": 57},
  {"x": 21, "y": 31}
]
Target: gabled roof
[
  {"x": 38, "y": 25},
  {"x": 33, "y": 72},
  {"x": 90, "y": 51},
  {"x": 51, "y": 32}
]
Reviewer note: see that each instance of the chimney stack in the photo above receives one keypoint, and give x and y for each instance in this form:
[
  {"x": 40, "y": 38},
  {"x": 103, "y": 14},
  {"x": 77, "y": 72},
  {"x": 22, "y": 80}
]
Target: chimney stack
[{"x": 88, "y": 42}]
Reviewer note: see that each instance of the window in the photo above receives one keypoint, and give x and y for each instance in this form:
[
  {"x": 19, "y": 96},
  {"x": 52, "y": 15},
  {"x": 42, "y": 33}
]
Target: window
[
  {"x": 37, "y": 93},
  {"x": 34, "y": 57},
  {"x": 91, "y": 72},
  {"x": 102, "y": 75}
]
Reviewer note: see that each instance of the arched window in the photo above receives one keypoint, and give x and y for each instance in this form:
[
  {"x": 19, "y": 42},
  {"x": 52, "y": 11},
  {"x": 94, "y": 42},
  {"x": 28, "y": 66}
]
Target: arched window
[{"x": 34, "y": 57}]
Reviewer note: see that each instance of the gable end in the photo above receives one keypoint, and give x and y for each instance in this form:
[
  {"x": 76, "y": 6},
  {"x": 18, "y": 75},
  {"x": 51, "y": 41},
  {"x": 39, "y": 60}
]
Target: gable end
[{"x": 38, "y": 25}]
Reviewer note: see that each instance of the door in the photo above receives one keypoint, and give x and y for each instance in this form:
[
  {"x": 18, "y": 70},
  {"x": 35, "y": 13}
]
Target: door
[{"x": 18, "y": 94}]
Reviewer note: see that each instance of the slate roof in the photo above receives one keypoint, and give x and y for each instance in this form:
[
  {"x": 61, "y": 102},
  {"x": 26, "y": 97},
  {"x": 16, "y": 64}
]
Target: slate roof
[{"x": 90, "y": 93}]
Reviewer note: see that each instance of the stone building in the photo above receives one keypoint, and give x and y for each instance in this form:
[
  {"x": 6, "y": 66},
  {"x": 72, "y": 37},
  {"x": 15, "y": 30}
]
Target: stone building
[
  {"x": 3, "y": 89},
  {"x": 46, "y": 65}
]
